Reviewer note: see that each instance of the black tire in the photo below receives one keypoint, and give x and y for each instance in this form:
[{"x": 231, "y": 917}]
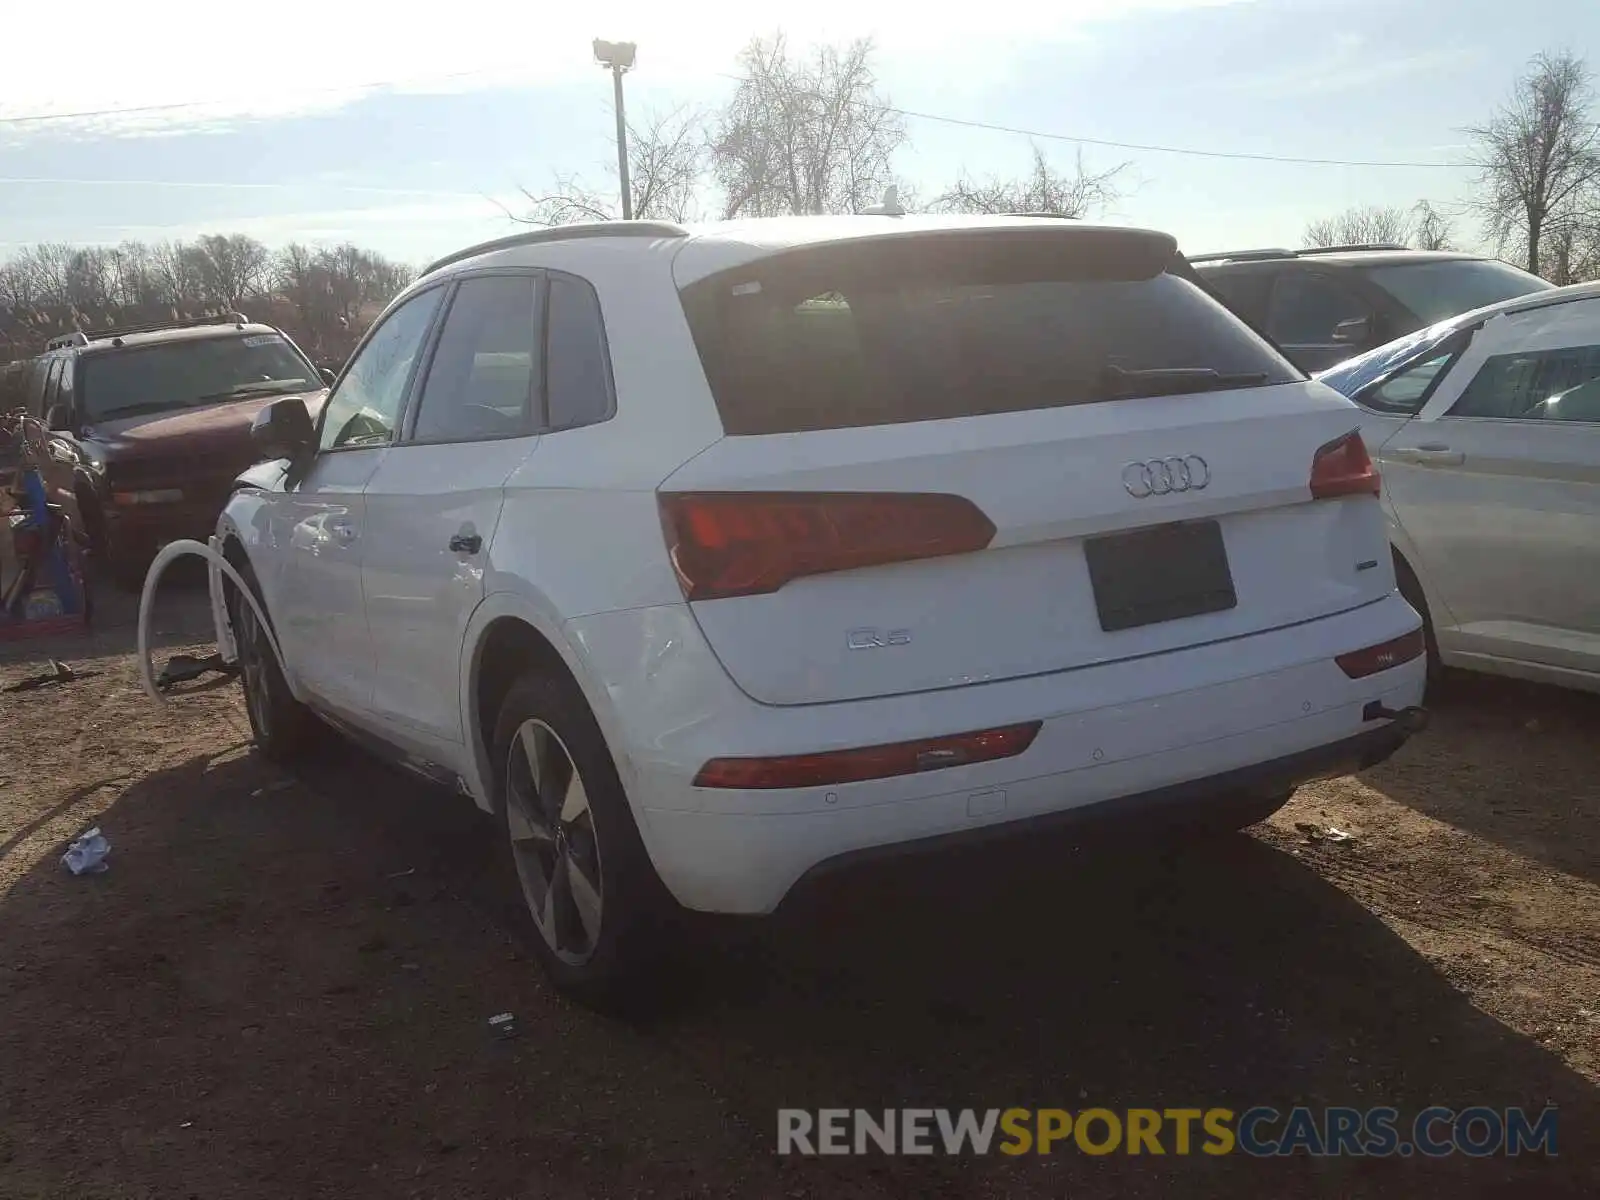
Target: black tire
[
  {"x": 284, "y": 729},
  {"x": 1411, "y": 592},
  {"x": 601, "y": 955}
]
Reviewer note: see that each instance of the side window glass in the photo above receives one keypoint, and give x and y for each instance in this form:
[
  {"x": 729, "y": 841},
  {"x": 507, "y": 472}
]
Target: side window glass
[
  {"x": 1306, "y": 308},
  {"x": 33, "y": 399},
  {"x": 363, "y": 409},
  {"x": 1405, "y": 392},
  {"x": 49, "y": 397},
  {"x": 578, "y": 371},
  {"x": 1244, "y": 294},
  {"x": 1546, "y": 385},
  {"x": 482, "y": 381},
  {"x": 64, "y": 382}
]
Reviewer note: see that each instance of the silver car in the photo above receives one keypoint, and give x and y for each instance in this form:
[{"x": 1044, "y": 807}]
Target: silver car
[{"x": 1486, "y": 430}]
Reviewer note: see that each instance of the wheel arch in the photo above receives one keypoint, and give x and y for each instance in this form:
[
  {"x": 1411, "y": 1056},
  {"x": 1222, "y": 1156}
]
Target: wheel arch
[{"x": 508, "y": 635}]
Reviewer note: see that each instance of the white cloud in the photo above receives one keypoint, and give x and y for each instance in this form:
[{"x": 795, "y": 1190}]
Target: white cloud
[
  {"x": 305, "y": 55},
  {"x": 1345, "y": 64}
]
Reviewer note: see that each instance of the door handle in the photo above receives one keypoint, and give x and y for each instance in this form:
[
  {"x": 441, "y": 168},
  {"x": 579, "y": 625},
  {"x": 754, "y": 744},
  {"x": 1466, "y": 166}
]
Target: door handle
[
  {"x": 466, "y": 543},
  {"x": 1432, "y": 455},
  {"x": 343, "y": 532}
]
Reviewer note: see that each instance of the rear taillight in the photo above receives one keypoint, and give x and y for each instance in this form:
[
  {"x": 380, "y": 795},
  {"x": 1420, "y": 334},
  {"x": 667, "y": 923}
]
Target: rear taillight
[
  {"x": 1358, "y": 664},
  {"x": 870, "y": 762},
  {"x": 1343, "y": 468},
  {"x": 749, "y": 543}
]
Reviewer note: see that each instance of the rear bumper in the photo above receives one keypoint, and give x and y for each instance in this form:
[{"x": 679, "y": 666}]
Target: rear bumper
[
  {"x": 1146, "y": 813},
  {"x": 1181, "y": 727}
]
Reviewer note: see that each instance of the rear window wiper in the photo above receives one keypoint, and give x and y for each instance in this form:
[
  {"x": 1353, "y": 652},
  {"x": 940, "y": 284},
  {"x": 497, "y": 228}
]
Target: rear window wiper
[{"x": 1169, "y": 381}]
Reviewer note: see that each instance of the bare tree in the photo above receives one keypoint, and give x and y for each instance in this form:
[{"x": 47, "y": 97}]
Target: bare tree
[
  {"x": 47, "y": 267},
  {"x": 667, "y": 157},
  {"x": 323, "y": 297},
  {"x": 1043, "y": 190},
  {"x": 1570, "y": 249},
  {"x": 134, "y": 282},
  {"x": 1539, "y": 156},
  {"x": 231, "y": 267},
  {"x": 176, "y": 274},
  {"x": 89, "y": 280},
  {"x": 1362, "y": 225},
  {"x": 805, "y": 135},
  {"x": 1430, "y": 228}
]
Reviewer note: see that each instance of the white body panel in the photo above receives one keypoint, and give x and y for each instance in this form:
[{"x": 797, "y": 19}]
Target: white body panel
[
  {"x": 1499, "y": 517},
  {"x": 419, "y": 593},
  {"x": 313, "y": 577},
  {"x": 1046, "y": 479},
  {"x": 1109, "y": 731},
  {"x": 574, "y": 550}
]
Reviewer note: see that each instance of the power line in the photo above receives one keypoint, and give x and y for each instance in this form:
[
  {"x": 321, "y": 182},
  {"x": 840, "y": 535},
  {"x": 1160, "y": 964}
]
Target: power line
[
  {"x": 913, "y": 114},
  {"x": 201, "y": 185},
  {"x": 1229, "y": 154},
  {"x": 134, "y": 109},
  {"x": 966, "y": 123}
]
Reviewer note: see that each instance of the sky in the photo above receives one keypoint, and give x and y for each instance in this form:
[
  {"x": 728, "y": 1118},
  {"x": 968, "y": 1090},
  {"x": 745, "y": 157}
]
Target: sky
[{"x": 322, "y": 122}]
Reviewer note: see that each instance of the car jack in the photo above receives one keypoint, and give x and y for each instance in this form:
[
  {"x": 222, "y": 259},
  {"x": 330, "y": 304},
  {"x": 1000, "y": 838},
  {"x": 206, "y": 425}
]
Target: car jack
[{"x": 1413, "y": 718}]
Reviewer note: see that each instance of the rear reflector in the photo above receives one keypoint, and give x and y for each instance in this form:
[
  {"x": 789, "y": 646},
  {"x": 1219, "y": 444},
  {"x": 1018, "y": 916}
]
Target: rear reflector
[
  {"x": 1360, "y": 663},
  {"x": 750, "y": 543},
  {"x": 871, "y": 762},
  {"x": 1343, "y": 468}
]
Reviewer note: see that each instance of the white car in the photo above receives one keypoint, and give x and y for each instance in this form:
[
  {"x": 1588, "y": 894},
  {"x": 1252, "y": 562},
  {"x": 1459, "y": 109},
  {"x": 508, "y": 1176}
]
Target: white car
[
  {"x": 1487, "y": 432},
  {"x": 709, "y": 559}
]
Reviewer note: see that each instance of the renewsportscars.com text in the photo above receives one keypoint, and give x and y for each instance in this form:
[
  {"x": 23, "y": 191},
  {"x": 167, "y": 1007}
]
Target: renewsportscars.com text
[{"x": 1261, "y": 1131}]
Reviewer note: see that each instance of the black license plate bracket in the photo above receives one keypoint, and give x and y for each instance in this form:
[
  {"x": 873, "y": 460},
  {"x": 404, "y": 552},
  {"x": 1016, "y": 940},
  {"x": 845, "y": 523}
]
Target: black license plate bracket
[{"x": 1159, "y": 573}]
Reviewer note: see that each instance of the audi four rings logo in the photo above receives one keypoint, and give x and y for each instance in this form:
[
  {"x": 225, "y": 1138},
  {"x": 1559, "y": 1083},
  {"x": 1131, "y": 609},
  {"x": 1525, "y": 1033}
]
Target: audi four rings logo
[{"x": 1162, "y": 475}]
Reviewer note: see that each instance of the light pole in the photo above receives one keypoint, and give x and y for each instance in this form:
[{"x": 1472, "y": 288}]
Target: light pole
[{"x": 618, "y": 56}]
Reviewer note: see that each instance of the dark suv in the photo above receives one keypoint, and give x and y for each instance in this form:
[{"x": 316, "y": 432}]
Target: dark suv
[
  {"x": 161, "y": 417},
  {"x": 1323, "y": 306}
]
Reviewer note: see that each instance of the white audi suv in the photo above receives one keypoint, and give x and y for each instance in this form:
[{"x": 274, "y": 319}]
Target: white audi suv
[{"x": 710, "y": 558}]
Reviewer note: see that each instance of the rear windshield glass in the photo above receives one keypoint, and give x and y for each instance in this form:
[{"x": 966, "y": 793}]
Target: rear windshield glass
[
  {"x": 839, "y": 337},
  {"x": 1436, "y": 290},
  {"x": 186, "y": 374}
]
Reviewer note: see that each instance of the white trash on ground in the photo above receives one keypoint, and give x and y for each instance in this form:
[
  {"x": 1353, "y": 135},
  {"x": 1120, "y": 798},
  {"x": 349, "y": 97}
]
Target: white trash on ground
[{"x": 87, "y": 854}]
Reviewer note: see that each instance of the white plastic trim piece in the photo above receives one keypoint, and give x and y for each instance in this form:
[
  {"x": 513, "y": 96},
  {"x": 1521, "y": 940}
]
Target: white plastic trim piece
[{"x": 168, "y": 555}]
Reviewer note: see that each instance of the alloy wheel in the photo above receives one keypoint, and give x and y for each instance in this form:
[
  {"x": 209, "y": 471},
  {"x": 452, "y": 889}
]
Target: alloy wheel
[
  {"x": 554, "y": 841},
  {"x": 253, "y": 670}
]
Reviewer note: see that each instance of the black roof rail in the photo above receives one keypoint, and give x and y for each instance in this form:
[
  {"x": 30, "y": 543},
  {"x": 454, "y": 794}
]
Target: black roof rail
[
  {"x": 1052, "y": 215},
  {"x": 229, "y": 318},
  {"x": 1242, "y": 255},
  {"x": 562, "y": 233},
  {"x": 1354, "y": 246}
]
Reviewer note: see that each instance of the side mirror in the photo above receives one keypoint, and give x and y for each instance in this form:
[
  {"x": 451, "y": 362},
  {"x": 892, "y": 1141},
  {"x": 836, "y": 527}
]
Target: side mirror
[
  {"x": 1357, "y": 331},
  {"x": 59, "y": 418},
  {"x": 283, "y": 429},
  {"x": 329, "y": 375}
]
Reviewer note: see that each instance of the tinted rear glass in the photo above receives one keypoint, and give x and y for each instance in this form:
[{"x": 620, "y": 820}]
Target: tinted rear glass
[
  {"x": 838, "y": 337},
  {"x": 1436, "y": 290}
]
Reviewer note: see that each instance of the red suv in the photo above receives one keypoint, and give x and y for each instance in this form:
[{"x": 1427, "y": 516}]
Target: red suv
[{"x": 161, "y": 416}]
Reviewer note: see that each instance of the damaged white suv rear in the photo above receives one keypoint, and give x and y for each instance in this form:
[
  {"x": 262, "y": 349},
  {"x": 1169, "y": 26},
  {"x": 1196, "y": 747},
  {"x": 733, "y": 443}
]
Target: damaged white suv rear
[{"x": 708, "y": 559}]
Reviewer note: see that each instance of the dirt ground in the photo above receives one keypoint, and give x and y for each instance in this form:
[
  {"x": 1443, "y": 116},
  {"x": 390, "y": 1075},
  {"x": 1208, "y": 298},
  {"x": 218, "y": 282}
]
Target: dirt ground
[{"x": 282, "y": 985}]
